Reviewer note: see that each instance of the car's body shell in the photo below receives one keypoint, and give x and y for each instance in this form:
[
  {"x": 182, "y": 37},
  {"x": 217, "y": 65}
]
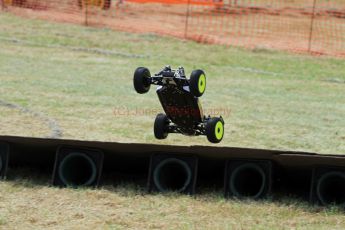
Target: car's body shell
[{"x": 181, "y": 107}]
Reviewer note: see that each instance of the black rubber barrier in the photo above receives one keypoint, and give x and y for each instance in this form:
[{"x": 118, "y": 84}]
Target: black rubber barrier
[
  {"x": 248, "y": 179},
  {"x": 328, "y": 186},
  {"x": 292, "y": 174},
  {"x": 4, "y": 156},
  {"x": 294, "y": 182},
  {"x": 331, "y": 188},
  {"x": 173, "y": 173},
  {"x": 77, "y": 167},
  {"x": 1, "y": 162}
]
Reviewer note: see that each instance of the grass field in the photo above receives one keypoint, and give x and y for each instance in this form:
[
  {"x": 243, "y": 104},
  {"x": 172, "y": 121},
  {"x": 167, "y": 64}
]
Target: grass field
[{"x": 82, "y": 78}]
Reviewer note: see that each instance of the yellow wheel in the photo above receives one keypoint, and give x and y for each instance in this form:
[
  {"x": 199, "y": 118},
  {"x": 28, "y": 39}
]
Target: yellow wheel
[
  {"x": 202, "y": 83},
  {"x": 219, "y": 130},
  {"x": 197, "y": 83},
  {"x": 215, "y": 129}
]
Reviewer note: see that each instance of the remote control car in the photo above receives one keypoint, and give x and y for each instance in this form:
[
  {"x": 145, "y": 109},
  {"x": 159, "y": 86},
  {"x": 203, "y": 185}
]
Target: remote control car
[{"x": 179, "y": 97}]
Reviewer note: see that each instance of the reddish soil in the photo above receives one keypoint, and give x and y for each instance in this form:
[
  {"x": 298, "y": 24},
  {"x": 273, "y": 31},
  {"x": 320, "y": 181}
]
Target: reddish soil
[{"x": 252, "y": 27}]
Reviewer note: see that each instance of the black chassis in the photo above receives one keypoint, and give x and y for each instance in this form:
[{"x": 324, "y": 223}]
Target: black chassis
[{"x": 181, "y": 107}]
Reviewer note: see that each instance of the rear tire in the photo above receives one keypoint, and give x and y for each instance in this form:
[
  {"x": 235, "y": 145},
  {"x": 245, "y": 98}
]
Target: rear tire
[
  {"x": 141, "y": 80},
  {"x": 197, "y": 83},
  {"x": 215, "y": 130},
  {"x": 161, "y": 126}
]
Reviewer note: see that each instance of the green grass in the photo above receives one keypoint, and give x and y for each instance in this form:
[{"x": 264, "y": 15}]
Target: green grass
[
  {"x": 30, "y": 203},
  {"x": 79, "y": 76}
]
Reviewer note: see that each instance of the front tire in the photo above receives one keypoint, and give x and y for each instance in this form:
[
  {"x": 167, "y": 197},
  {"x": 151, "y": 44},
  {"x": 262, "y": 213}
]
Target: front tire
[
  {"x": 197, "y": 82},
  {"x": 141, "y": 80},
  {"x": 161, "y": 126},
  {"x": 215, "y": 129}
]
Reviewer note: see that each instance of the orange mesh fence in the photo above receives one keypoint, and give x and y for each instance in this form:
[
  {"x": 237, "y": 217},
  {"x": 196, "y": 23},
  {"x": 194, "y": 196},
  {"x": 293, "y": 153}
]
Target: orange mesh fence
[
  {"x": 315, "y": 26},
  {"x": 189, "y": 2}
]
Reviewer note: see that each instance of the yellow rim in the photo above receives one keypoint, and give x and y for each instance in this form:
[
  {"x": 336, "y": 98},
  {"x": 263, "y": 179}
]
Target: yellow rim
[
  {"x": 219, "y": 130},
  {"x": 202, "y": 83}
]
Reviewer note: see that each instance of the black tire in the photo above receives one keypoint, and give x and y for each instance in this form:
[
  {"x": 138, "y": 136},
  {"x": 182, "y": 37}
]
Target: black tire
[
  {"x": 215, "y": 130},
  {"x": 141, "y": 80},
  {"x": 197, "y": 83},
  {"x": 161, "y": 126}
]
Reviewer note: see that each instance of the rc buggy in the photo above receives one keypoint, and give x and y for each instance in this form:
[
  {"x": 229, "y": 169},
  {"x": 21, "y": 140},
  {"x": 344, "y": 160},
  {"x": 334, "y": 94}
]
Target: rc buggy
[{"x": 179, "y": 97}]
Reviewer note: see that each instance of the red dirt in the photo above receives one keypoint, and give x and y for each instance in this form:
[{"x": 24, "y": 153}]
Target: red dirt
[{"x": 252, "y": 27}]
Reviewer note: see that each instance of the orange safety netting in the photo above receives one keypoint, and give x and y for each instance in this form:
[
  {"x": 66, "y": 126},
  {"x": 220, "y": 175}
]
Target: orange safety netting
[
  {"x": 191, "y": 2},
  {"x": 314, "y": 26}
]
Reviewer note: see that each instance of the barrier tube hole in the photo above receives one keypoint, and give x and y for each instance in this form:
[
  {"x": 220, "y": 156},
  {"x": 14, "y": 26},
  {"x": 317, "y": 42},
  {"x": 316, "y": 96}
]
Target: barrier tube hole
[
  {"x": 331, "y": 188},
  {"x": 77, "y": 169},
  {"x": 0, "y": 163},
  {"x": 248, "y": 180},
  {"x": 172, "y": 175}
]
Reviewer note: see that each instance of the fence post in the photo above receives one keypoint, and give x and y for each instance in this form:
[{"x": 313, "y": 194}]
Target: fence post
[
  {"x": 311, "y": 26},
  {"x": 187, "y": 18},
  {"x": 86, "y": 12}
]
